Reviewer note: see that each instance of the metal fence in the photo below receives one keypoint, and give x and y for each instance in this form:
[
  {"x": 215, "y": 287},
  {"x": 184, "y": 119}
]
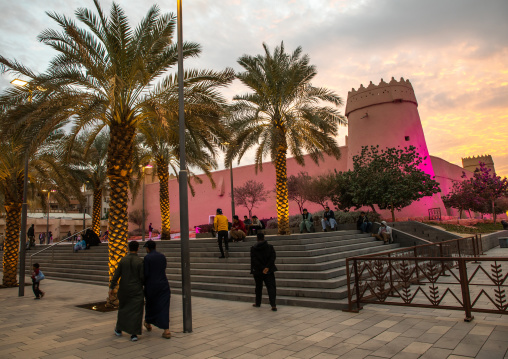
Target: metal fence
[{"x": 448, "y": 275}]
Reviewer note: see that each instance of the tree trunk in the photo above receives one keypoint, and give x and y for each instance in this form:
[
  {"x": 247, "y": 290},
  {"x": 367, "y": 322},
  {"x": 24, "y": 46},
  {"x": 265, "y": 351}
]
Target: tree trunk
[
  {"x": 11, "y": 244},
  {"x": 163, "y": 175},
  {"x": 96, "y": 211},
  {"x": 373, "y": 208},
  {"x": 494, "y": 211},
  {"x": 282, "y": 191},
  {"x": 119, "y": 171}
]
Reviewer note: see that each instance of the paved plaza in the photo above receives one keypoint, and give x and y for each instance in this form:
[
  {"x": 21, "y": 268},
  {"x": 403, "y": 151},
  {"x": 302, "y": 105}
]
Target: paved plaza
[{"x": 55, "y": 328}]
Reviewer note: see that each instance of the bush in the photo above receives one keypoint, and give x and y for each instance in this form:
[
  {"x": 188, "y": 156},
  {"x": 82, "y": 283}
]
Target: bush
[
  {"x": 340, "y": 217},
  {"x": 205, "y": 228}
]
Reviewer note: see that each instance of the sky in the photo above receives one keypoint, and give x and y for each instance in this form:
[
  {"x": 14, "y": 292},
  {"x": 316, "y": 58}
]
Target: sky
[{"x": 454, "y": 52}]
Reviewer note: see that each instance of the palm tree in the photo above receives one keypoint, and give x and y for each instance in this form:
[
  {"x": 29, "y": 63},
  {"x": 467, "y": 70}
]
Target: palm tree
[
  {"x": 204, "y": 110},
  {"x": 107, "y": 75},
  {"x": 46, "y": 170},
  {"x": 284, "y": 113},
  {"x": 88, "y": 159}
]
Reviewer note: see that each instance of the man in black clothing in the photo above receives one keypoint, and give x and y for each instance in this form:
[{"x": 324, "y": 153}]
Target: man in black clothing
[
  {"x": 262, "y": 263},
  {"x": 31, "y": 236}
]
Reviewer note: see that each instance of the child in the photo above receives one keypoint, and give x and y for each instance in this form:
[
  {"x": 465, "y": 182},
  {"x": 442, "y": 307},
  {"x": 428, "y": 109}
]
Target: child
[{"x": 37, "y": 276}]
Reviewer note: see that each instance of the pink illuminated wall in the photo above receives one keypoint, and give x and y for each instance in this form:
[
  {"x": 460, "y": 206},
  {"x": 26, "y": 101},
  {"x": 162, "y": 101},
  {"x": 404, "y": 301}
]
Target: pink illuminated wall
[{"x": 384, "y": 115}]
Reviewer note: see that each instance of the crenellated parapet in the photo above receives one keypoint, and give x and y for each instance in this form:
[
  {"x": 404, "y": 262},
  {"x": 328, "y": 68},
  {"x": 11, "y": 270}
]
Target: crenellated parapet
[
  {"x": 473, "y": 162},
  {"x": 385, "y": 92}
]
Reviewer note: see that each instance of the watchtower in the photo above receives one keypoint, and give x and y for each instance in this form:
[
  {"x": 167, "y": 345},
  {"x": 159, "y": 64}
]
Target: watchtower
[
  {"x": 472, "y": 163},
  {"x": 385, "y": 115}
]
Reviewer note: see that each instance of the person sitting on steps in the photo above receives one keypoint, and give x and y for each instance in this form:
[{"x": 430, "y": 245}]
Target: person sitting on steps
[
  {"x": 255, "y": 226},
  {"x": 306, "y": 222},
  {"x": 363, "y": 223},
  {"x": 328, "y": 219},
  {"x": 384, "y": 234}
]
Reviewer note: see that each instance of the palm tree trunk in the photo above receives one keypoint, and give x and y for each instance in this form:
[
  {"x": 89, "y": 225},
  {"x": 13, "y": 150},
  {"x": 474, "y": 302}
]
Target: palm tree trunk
[
  {"x": 11, "y": 245},
  {"x": 282, "y": 191},
  {"x": 163, "y": 174},
  {"x": 96, "y": 212},
  {"x": 119, "y": 170}
]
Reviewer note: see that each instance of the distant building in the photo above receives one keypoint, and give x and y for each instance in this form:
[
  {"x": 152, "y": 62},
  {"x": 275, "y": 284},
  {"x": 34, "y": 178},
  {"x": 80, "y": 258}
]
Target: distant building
[{"x": 472, "y": 163}]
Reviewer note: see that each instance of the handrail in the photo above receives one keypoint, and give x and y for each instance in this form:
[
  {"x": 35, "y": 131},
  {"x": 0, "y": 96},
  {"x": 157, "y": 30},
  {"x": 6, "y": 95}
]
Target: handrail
[
  {"x": 57, "y": 243},
  {"x": 423, "y": 278}
]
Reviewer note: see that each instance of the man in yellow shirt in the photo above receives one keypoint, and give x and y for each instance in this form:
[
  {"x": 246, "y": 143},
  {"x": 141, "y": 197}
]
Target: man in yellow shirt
[{"x": 220, "y": 224}]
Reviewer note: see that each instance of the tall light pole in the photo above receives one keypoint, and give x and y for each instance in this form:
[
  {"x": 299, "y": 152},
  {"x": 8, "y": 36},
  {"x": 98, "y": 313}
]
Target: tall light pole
[
  {"x": 182, "y": 184},
  {"x": 144, "y": 216},
  {"x": 232, "y": 187},
  {"x": 47, "y": 220},
  {"x": 24, "y": 207}
]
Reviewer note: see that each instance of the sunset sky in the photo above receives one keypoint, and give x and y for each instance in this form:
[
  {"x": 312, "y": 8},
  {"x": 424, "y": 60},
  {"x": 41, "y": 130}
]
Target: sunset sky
[{"x": 454, "y": 52}]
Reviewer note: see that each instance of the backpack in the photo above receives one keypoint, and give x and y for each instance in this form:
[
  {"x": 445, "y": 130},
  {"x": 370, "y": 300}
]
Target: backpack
[{"x": 40, "y": 276}]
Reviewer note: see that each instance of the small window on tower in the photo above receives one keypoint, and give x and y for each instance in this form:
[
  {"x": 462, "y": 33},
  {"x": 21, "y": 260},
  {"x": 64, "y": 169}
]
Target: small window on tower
[{"x": 406, "y": 138}]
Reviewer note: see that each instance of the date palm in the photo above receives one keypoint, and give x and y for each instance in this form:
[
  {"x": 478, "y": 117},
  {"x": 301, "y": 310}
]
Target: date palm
[
  {"x": 204, "y": 108},
  {"x": 87, "y": 159},
  {"x": 107, "y": 74},
  {"x": 284, "y": 113},
  {"x": 46, "y": 170}
]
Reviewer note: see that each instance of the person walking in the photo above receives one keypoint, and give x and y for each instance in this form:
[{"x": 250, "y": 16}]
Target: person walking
[
  {"x": 221, "y": 226},
  {"x": 31, "y": 236},
  {"x": 37, "y": 276},
  {"x": 130, "y": 293},
  {"x": 262, "y": 264},
  {"x": 157, "y": 290},
  {"x": 150, "y": 229}
]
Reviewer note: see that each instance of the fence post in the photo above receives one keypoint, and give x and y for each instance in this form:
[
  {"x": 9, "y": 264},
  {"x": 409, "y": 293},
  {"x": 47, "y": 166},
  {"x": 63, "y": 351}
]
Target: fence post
[
  {"x": 357, "y": 285},
  {"x": 464, "y": 285}
]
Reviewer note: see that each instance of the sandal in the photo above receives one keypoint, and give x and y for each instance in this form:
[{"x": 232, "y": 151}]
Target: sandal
[
  {"x": 166, "y": 335},
  {"x": 148, "y": 326}
]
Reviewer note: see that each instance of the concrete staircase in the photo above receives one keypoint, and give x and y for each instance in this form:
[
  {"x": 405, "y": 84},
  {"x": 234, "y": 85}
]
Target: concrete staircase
[{"x": 311, "y": 266}]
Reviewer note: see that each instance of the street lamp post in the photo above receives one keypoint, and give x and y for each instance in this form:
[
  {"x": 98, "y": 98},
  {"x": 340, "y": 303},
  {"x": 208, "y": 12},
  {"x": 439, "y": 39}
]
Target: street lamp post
[
  {"x": 47, "y": 220},
  {"x": 24, "y": 208},
  {"x": 144, "y": 216},
  {"x": 232, "y": 187},
  {"x": 182, "y": 185}
]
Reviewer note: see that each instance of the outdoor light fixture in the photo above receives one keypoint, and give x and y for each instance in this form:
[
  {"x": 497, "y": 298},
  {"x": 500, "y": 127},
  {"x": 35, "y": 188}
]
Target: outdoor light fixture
[{"x": 19, "y": 83}]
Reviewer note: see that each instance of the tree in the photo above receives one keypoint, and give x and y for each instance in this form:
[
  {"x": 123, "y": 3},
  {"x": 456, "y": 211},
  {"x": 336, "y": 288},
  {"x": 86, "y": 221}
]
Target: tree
[
  {"x": 88, "y": 157},
  {"x": 319, "y": 190},
  {"x": 390, "y": 178},
  {"x": 489, "y": 186},
  {"x": 160, "y": 133},
  {"x": 137, "y": 217},
  {"x": 341, "y": 195},
  {"x": 297, "y": 186},
  {"x": 283, "y": 113},
  {"x": 463, "y": 197},
  {"x": 250, "y": 194},
  {"x": 106, "y": 75},
  {"x": 47, "y": 170}
]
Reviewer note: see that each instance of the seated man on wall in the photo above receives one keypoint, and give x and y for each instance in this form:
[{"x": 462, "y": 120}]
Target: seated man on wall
[
  {"x": 238, "y": 230},
  {"x": 246, "y": 221},
  {"x": 328, "y": 219},
  {"x": 363, "y": 223},
  {"x": 306, "y": 222},
  {"x": 255, "y": 226},
  {"x": 384, "y": 234}
]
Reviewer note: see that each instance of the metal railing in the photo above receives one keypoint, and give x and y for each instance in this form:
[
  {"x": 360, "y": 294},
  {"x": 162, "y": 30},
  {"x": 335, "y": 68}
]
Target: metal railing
[
  {"x": 445, "y": 275},
  {"x": 52, "y": 246}
]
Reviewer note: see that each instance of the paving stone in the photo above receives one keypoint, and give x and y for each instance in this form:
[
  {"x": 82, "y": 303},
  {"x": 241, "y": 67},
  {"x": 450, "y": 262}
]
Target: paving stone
[
  {"x": 436, "y": 353},
  {"x": 417, "y": 348}
]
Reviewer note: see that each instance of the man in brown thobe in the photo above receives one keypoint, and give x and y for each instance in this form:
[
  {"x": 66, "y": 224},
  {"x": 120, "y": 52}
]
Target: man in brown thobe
[{"x": 130, "y": 293}]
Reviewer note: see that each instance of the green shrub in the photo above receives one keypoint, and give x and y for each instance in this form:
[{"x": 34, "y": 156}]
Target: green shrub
[{"x": 340, "y": 217}]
